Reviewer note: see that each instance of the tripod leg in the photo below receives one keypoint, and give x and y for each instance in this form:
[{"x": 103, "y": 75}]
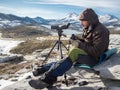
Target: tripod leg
[
  {"x": 50, "y": 51},
  {"x": 60, "y": 50},
  {"x": 64, "y": 46}
]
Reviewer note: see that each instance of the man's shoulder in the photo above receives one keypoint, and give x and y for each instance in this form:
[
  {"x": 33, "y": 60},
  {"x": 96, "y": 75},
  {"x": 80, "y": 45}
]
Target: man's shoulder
[{"x": 100, "y": 28}]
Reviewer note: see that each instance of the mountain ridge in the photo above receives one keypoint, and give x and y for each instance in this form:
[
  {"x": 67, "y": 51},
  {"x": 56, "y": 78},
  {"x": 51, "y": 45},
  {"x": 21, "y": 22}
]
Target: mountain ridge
[{"x": 10, "y": 20}]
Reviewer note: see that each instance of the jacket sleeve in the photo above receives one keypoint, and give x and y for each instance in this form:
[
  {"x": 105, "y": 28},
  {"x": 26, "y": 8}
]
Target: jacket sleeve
[{"x": 98, "y": 45}]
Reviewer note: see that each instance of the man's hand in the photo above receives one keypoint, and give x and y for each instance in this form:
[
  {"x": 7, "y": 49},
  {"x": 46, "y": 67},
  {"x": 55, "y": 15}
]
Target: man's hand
[{"x": 75, "y": 43}]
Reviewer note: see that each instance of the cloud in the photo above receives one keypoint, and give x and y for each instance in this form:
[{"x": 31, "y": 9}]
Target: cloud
[
  {"x": 32, "y": 12},
  {"x": 82, "y": 3},
  {"x": 6, "y": 9},
  {"x": 29, "y": 7}
]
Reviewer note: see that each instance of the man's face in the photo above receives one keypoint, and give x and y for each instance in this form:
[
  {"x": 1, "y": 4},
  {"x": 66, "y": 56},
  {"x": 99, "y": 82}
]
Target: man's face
[{"x": 84, "y": 23}]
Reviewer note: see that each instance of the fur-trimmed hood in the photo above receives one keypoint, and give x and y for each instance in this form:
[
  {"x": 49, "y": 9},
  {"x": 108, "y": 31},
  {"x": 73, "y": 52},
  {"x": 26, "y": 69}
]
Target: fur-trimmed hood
[{"x": 89, "y": 15}]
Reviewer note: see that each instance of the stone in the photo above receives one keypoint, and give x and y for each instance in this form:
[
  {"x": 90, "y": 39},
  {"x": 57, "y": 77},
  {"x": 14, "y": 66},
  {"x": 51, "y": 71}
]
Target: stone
[
  {"x": 7, "y": 58},
  {"x": 110, "y": 69}
]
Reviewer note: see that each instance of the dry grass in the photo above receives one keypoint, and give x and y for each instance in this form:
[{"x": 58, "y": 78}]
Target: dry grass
[
  {"x": 12, "y": 68},
  {"x": 30, "y": 46},
  {"x": 24, "y": 31},
  {"x": 112, "y": 31}
]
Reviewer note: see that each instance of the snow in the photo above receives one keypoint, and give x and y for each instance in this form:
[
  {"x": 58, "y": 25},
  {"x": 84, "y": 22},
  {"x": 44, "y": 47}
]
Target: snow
[
  {"x": 72, "y": 16},
  {"x": 7, "y": 44},
  {"x": 5, "y": 21},
  {"x": 4, "y": 83},
  {"x": 1, "y": 25},
  {"x": 113, "y": 20},
  {"x": 107, "y": 19},
  {"x": 10, "y": 23},
  {"x": 118, "y": 28}
]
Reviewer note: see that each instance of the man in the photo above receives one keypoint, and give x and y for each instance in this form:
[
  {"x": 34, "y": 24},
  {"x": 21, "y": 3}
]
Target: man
[{"x": 94, "y": 42}]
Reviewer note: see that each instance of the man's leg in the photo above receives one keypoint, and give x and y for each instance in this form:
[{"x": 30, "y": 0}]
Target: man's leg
[
  {"x": 58, "y": 70},
  {"x": 51, "y": 76},
  {"x": 42, "y": 69}
]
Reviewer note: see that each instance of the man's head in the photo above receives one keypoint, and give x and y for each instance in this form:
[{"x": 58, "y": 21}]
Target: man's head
[
  {"x": 85, "y": 23},
  {"x": 88, "y": 17}
]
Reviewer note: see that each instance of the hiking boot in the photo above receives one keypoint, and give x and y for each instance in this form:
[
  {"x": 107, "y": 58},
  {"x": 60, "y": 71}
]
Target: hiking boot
[
  {"x": 46, "y": 82},
  {"x": 38, "y": 84},
  {"x": 38, "y": 71},
  {"x": 50, "y": 79}
]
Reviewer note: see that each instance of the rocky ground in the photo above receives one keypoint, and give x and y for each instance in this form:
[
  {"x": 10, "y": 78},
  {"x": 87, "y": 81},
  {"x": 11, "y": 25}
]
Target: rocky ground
[{"x": 15, "y": 76}]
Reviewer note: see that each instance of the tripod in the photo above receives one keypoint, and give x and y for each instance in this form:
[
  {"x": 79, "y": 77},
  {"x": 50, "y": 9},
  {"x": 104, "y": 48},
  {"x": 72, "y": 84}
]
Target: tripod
[{"x": 59, "y": 44}]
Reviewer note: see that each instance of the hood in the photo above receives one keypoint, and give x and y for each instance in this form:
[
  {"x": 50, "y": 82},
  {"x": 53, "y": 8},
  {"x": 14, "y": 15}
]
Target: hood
[{"x": 89, "y": 15}]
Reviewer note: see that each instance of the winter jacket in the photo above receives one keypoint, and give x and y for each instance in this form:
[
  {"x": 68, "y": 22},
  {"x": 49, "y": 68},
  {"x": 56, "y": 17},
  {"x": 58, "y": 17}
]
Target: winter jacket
[{"x": 95, "y": 38}]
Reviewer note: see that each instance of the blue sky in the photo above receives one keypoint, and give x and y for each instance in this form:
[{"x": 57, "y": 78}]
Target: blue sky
[{"x": 54, "y": 9}]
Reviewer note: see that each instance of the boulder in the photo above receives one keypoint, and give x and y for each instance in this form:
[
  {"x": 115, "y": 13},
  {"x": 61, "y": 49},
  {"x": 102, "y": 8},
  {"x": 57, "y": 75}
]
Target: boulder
[
  {"x": 110, "y": 69},
  {"x": 7, "y": 58}
]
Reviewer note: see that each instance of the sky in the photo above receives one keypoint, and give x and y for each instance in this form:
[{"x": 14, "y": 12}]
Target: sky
[{"x": 56, "y": 9}]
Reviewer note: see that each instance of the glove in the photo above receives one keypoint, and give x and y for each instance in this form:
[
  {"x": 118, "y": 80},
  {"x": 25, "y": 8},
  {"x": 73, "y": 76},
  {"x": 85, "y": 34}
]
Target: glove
[{"x": 75, "y": 43}]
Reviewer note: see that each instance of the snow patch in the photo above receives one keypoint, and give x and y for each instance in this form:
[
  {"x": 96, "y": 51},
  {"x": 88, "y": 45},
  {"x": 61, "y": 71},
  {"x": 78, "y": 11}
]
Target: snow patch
[
  {"x": 7, "y": 44},
  {"x": 4, "y": 83}
]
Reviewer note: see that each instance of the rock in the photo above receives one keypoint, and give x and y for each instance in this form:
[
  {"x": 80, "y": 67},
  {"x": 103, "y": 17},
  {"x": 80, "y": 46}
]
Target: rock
[
  {"x": 110, "y": 69},
  {"x": 14, "y": 79},
  {"x": 5, "y": 76},
  {"x": 24, "y": 70},
  {"x": 114, "y": 88},
  {"x": 7, "y": 58},
  {"x": 29, "y": 77},
  {"x": 20, "y": 85}
]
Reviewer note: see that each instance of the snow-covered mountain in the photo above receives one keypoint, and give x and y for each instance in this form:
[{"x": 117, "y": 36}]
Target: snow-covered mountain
[
  {"x": 108, "y": 20},
  {"x": 40, "y": 20},
  {"x": 9, "y": 20},
  {"x": 71, "y": 18}
]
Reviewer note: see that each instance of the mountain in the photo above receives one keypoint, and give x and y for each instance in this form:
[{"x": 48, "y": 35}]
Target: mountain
[
  {"x": 9, "y": 17},
  {"x": 40, "y": 20},
  {"x": 107, "y": 18},
  {"x": 9, "y": 20},
  {"x": 109, "y": 21},
  {"x": 28, "y": 20},
  {"x": 71, "y": 18}
]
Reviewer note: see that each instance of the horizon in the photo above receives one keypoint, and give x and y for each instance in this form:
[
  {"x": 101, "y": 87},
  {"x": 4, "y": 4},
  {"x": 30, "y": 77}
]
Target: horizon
[{"x": 53, "y": 9}]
